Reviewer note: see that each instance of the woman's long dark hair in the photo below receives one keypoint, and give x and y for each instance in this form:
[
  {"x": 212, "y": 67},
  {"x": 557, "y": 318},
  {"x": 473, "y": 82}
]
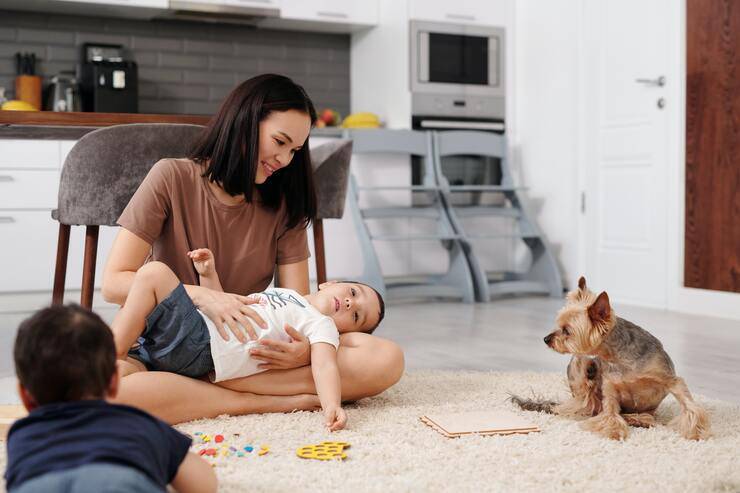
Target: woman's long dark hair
[{"x": 230, "y": 145}]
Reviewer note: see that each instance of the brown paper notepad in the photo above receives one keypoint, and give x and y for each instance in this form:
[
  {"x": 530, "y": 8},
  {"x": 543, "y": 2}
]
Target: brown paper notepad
[{"x": 482, "y": 423}]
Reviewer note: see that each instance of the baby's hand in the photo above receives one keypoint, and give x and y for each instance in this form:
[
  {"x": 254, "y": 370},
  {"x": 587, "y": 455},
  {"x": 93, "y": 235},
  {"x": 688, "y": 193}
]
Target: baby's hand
[
  {"x": 336, "y": 418},
  {"x": 203, "y": 261}
]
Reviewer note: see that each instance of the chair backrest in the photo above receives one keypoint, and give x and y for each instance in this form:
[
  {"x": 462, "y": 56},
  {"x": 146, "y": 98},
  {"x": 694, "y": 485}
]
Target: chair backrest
[
  {"x": 331, "y": 174},
  {"x": 472, "y": 143},
  {"x": 412, "y": 142},
  {"x": 106, "y": 166},
  {"x": 402, "y": 142}
]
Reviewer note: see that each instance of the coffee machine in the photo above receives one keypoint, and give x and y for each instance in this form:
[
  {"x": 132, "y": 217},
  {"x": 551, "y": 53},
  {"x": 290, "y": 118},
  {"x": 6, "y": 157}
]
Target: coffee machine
[{"x": 108, "y": 82}]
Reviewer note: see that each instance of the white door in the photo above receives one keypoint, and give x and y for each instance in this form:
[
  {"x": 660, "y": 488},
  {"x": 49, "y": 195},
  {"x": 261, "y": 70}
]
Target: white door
[{"x": 625, "y": 54}]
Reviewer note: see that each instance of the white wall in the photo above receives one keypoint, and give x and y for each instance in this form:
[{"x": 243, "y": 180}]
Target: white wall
[{"x": 546, "y": 112}]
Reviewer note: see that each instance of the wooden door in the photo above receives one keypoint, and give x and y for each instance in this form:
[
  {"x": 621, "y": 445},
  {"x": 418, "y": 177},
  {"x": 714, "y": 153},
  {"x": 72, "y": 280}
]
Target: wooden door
[{"x": 712, "y": 227}]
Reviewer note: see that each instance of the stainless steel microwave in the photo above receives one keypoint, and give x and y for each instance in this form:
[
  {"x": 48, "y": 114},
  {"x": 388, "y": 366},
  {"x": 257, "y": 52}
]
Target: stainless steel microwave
[{"x": 457, "y": 70}]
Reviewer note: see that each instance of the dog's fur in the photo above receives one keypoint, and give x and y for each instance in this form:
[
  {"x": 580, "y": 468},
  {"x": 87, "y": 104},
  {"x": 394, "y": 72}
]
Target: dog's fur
[{"x": 619, "y": 372}]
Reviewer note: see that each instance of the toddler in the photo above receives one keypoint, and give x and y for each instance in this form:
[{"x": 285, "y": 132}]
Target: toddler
[
  {"x": 73, "y": 440},
  {"x": 173, "y": 335}
]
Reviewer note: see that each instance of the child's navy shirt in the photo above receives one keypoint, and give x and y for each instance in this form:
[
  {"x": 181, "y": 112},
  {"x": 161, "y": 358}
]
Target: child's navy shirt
[{"x": 65, "y": 435}]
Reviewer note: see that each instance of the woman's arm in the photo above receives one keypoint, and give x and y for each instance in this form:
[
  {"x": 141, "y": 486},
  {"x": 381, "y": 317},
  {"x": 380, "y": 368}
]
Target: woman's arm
[
  {"x": 328, "y": 385},
  {"x": 127, "y": 254},
  {"x": 294, "y": 276}
]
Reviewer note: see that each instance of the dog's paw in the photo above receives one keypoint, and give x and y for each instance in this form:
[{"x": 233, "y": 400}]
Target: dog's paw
[{"x": 611, "y": 426}]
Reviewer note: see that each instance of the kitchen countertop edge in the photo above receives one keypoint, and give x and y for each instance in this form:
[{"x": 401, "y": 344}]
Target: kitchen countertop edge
[{"x": 49, "y": 125}]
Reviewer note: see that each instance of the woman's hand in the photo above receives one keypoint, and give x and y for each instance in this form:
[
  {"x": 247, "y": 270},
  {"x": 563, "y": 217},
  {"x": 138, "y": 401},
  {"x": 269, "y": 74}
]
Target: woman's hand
[
  {"x": 279, "y": 355},
  {"x": 227, "y": 309}
]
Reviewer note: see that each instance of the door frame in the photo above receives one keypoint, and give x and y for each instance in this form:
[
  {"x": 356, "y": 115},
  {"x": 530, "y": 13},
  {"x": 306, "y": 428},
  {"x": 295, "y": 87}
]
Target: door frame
[{"x": 679, "y": 298}]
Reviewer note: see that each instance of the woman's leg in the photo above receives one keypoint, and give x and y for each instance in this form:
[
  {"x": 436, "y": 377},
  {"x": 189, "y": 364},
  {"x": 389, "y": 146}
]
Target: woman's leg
[
  {"x": 175, "y": 398},
  {"x": 152, "y": 283},
  {"x": 368, "y": 365},
  {"x": 128, "y": 366}
]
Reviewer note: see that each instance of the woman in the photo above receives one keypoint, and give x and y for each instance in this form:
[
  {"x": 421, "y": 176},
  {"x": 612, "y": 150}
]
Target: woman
[{"x": 245, "y": 192}]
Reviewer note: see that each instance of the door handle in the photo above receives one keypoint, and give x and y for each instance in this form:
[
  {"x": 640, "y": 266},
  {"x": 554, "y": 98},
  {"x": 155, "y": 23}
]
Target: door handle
[{"x": 659, "y": 82}]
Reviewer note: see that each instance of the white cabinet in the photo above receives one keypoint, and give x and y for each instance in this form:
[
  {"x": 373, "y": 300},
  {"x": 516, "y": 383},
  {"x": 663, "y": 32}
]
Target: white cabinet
[
  {"x": 29, "y": 241},
  {"x": 29, "y": 181},
  {"x": 203, "y": 5},
  {"x": 477, "y": 12},
  {"x": 126, "y": 3},
  {"x": 325, "y": 15},
  {"x": 340, "y": 11},
  {"x": 29, "y": 185},
  {"x": 135, "y": 9}
]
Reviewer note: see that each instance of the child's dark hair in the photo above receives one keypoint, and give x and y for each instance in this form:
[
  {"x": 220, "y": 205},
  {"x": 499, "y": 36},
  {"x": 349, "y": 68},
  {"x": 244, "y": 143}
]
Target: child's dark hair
[
  {"x": 230, "y": 144},
  {"x": 381, "y": 303},
  {"x": 64, "y": 353}
]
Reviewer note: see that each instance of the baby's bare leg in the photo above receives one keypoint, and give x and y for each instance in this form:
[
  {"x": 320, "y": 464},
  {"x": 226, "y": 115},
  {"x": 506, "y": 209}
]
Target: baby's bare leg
[{"x": 153, "y": 282}]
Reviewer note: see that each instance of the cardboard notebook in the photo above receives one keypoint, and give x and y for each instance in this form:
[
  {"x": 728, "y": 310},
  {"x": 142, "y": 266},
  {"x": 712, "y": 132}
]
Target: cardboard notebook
[{"x": 482, "y": 423}]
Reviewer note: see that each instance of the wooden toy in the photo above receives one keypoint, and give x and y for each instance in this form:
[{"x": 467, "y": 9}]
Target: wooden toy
[
  {"x": 324, "y": 451},
  {"x": 454, "y": 425}
]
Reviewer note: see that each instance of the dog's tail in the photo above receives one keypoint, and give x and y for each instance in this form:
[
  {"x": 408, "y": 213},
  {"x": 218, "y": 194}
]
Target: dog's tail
[
  {"x": 693, "y": 422},
  {"x": 534, "y": 404}
]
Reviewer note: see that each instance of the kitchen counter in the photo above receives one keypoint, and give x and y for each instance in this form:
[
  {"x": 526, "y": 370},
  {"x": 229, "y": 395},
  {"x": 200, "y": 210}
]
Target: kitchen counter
[
  {"x": 50, "y": 125},
  {"x": 71, "y": 126}
]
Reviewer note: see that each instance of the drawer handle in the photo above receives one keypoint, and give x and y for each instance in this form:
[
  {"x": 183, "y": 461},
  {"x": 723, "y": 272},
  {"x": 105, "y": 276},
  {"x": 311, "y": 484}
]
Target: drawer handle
[
  {"x": 6, "y": 178},
  {"x": 461, "y": 17},
  {"x": 336, "y": 15},
  {"x": 6, "y": 219}
]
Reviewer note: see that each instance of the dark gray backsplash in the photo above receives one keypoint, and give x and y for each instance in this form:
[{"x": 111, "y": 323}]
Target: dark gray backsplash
[{"x": 184, "y": 67}]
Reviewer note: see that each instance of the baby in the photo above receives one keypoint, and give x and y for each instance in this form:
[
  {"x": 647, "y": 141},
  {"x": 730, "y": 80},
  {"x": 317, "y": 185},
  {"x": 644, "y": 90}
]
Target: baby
[{"x": 174, "y": 336}]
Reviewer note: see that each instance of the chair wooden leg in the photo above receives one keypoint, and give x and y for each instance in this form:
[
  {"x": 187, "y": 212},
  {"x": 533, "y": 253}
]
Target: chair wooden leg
[
  {"x": 60, "y": 271},
  {"x": 318, "y": 244},
  {"x": 88, "y": 269}
]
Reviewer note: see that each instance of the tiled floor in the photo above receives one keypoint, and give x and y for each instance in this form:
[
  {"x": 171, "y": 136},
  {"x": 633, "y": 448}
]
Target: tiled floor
[{"x": 501, "y": 335}]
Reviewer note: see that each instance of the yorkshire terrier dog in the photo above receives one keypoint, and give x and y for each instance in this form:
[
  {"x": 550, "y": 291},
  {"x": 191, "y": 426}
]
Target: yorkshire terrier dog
[{"x": 619, "y": 372}]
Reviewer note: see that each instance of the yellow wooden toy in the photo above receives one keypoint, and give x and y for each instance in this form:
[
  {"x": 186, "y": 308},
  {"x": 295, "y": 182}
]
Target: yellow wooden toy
[{"x": 324, "y": 451}]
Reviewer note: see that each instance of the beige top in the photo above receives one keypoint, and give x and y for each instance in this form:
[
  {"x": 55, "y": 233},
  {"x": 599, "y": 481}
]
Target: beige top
[{"x": 176, "y": 211}]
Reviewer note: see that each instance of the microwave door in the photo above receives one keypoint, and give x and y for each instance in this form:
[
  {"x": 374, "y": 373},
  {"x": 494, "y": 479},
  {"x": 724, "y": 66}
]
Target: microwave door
[{"x": 458, "y": 59}]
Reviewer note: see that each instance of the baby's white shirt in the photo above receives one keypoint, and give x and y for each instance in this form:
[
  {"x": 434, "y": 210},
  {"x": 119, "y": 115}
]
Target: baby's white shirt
[{"x": 277, "y": 307}]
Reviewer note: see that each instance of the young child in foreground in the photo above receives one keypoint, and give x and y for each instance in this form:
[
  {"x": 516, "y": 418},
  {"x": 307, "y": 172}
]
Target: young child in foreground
[
  {"x": 175, "y": 336},
  {"x": 73, "y": 440}
]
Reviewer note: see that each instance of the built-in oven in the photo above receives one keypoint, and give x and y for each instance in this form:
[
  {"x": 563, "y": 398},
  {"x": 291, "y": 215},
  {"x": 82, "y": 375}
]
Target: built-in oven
[
  {"x": 458, "y": 83},
  {"x": 457, "y": 73}
]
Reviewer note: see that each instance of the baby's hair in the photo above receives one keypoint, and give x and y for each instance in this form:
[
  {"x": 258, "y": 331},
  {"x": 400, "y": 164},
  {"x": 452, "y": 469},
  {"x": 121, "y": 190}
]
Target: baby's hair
[
  {"x": 64, "y": 353},
  {"x": 381, "y": 302}
]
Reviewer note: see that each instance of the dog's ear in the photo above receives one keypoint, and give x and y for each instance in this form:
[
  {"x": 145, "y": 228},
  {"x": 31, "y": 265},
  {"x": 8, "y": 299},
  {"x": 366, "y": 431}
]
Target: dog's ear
[
  {"x": 582, "y": 283},
  {"x": 600, "y": 310}
]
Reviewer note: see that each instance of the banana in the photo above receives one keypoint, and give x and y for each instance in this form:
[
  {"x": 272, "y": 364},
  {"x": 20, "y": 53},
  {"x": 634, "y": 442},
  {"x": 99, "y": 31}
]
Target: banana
[
  {"x": 17, "y": 105},
  {"x": 361, "y": 120}
]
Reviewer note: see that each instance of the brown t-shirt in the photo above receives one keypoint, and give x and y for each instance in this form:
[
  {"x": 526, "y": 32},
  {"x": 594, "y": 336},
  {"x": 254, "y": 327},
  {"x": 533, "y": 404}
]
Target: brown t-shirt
[{"x": 175, "y": 211}]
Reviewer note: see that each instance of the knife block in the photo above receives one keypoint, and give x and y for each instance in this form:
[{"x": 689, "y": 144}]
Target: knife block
[{"x": 28, "y": 89}]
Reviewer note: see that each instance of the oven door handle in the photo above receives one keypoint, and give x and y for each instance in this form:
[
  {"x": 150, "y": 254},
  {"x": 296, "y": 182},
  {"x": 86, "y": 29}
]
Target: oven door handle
[{"x": 463, "y": 125}]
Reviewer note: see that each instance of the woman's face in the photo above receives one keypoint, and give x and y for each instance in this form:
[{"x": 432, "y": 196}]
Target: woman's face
[{"x": 282, "y": 134}]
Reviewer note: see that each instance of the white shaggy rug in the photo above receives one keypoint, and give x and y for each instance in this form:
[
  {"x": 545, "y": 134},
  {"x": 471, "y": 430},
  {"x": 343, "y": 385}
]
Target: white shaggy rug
[{"x": 391, "y": 450}]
